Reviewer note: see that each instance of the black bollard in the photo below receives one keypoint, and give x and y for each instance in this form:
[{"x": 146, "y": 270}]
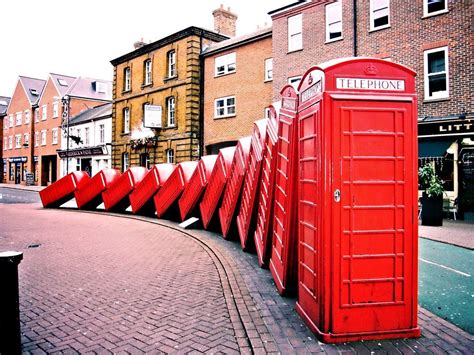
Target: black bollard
[{"x": 10, "y": 336}]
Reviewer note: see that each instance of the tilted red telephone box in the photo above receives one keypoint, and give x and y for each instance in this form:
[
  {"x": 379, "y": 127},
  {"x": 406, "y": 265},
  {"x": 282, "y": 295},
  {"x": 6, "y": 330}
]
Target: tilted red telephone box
[
  {"x": 116, "y": 197},
  {"x": 89, "y": 196},
  {"x": 246, "y": 217},
  {"x": 283, "y": 261},
  {"x": 263, "y": 229},
  {"x": 166, "y": 198},
  {"x": 141, "y": 199},
  {"x": 233, "y": 189},
  {"x": 189, "y": 200},
  {"x": 63, "y": 190},
  {"x": 213, "y": 195},
  {"x": 358, "y": 200}
]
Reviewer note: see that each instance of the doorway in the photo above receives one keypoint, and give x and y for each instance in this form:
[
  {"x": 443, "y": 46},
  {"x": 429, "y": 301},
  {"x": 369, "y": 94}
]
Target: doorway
[{"x": 86, "y": 165}]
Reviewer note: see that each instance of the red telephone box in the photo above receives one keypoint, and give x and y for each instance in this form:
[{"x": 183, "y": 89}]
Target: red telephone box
[
  {"x": 358, "y": 200},
  {"x": 89, "y": 196},
  {"x": 247, "y": 217},
  {"x": 197, "y": 184},
  {"x": 233, "y": 188},
  {"x": 167, "y": 196},
  {"x": 213, "y": 195},
  {"x": 283, "y": 262},
  {"x": 116, "y": 197},
  {"x": 63, "y": 190},
  {"x": 141, "y": 199},
  {"x": 263, "y": 229}
]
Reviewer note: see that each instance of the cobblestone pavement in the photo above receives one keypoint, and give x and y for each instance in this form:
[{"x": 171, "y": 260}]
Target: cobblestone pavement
[{"x": 92, "y": 282}]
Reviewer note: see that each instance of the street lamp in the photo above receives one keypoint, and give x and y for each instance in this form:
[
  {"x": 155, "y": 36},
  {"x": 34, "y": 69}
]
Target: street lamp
[{"x": 65, "y": 126}]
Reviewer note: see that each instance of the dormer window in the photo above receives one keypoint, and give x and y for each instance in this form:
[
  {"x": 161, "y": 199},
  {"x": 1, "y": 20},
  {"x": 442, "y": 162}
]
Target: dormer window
[
  {"x": 34, "y": 92},
  {"x": 100, "y": 87},
  {"x": 62, "y": 82}
]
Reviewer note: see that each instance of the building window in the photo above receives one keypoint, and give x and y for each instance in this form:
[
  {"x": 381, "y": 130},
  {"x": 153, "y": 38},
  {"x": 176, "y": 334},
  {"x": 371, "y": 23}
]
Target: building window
[
  {"x": 224, "y": 107},
  {"x": 379, "y": 14},
  {"x": 18, "y": 141},
  {"x": 147, "y": 70},
  {"x": 43, "y": 137},
  {"x": 127, "y": 79},
  {"x": 19, "y": 118},
  {"x": 54, "y": 136},
  {"x": 225, "y": 64},
  {"x": 126, "y": 120},
  {"x": 5, "y": 144},
  {"x": 87, "y": 136},
  {"x": 5, "y": 123},
  {"x": 144, "y": 110},
  {"x": 294, "y": 80},
  {"x": 145, "y": 160},
  {"x": 102, "y": 133},
  {"x": 79, "y": 136},
  {"x": 295, "y": 33},
  {"x": 36, "y": 139},
  {"x": 26, "y": 139},
  {"x": 10, "y": 142},
  {"x": 55, "y": 109},
  {"x": 36, "y": 115},
  {"x": 434, "y": 7},
  {"x": 171, "y": 64},
  {"x": 124, "y": 161},
  {"x": 333, "y": 21},
  {"x": 170, "y": 107},
  {"x": 268, "y": 69},
  {"x": 170, "y": 156},
  {"x": 436, "y": 73},
  {"x": 44, "y": 112},
  {"x": 11, "y": 120},
  {"x": 27, "y": 117}
]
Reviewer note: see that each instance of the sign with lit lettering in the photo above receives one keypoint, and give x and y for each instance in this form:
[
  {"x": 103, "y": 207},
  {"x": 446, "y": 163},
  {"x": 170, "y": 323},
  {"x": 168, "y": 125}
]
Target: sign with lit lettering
[
  {"x": 370, "y": 84},
  {"x": 446, "y": 127},
  {"x": 312, "y": 91}
]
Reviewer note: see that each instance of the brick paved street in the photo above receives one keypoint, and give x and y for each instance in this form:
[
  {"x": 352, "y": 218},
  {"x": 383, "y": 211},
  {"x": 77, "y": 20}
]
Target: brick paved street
[{"x": 99, "y": 283}]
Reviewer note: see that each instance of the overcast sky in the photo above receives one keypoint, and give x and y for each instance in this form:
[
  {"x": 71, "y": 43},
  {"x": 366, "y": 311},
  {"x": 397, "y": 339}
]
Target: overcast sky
[{"x": 79, "y": 38}]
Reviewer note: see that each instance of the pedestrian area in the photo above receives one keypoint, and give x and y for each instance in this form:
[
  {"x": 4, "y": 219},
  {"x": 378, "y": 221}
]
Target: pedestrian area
[{"x": 96, "y": 283}]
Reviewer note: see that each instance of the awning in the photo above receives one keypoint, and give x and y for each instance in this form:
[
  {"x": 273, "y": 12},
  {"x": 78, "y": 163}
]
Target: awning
[{"x": 433, "y": 148}]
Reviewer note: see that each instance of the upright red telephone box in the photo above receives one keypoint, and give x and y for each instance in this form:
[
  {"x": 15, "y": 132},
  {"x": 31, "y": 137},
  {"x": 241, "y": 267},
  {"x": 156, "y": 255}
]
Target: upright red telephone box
[
  {"x": 284, "y": 237},
  {"x": 358, "y": 200}
]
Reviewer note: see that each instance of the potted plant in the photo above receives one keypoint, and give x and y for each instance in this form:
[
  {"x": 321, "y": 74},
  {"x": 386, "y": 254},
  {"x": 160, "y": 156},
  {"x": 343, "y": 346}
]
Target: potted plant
[{"x": 432, "y": 198}]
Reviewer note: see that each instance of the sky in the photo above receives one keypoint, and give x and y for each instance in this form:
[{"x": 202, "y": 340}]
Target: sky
[{"x": 79, "y": 38}]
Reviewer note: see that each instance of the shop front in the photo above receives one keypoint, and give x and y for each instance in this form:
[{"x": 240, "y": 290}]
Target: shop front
[
  {"x": 90, "y": 160},
  {"x": 17, "y": 169}
]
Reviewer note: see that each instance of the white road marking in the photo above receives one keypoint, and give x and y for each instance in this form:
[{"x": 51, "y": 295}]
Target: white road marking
[{"x": 445, "y": 267}]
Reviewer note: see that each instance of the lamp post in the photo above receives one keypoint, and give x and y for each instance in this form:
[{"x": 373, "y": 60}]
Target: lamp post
[{"x": 65, "y": 126}]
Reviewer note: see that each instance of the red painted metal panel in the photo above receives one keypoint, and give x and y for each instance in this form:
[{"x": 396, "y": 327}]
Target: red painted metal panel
[
  {"x": 89, "y": 196},
  {"x": 197, "y": 184},
  {"x": 358, "y": 201},
  {"x": 63, "y": 190},
  {"x": 116, "y": 197},
  {"x": 213, "y": 195},
  {"x": 246, "y": 217},
  {"x": 167, "y": 196},
  {"x": 263, "y": 229},
  {"x": 283, "y": 262},
  {"x": 141, "y": 199},
  {"x": 233, "y": 189}
]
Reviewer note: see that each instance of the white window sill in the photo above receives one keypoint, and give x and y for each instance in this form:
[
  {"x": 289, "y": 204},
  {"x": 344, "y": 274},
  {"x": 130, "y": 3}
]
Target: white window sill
[
  {"x": 433, "y": 14},
  {"x": 294, "y": 50},
  {"x": 436, "y": 99},
  {"x": 334, "y": 40},
  {"x": 226, "y": 116},
  {"x": 224, "y": 74},
  {"x": 379, "y": 28},
  {"x": 268, "y": 80}
]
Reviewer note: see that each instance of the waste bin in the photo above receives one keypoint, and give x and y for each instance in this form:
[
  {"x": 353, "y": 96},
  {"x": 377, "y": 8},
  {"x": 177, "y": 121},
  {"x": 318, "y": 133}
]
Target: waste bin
[
  {"x": 141, "y": 199},
  {"x": 246, "y": 216},
  {"x": 192, "y": 194},
  {"x": 89, "y": 196},
  {"x": 63, "y": 190},
  {"x": 213, "y": 195},
  {"x": 263, "y": 228},
  {"x": 166, "y": 199},
  {"x": 358, "y": 200},
  {"x": 116, "y": 197},
  {"x": 233, "y": 189},
  {"x": 283, "y": 262}
]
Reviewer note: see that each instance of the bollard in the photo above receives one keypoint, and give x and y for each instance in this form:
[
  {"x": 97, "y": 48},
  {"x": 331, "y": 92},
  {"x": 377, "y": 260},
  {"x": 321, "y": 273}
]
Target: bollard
[{"x": 10, "y": 336}]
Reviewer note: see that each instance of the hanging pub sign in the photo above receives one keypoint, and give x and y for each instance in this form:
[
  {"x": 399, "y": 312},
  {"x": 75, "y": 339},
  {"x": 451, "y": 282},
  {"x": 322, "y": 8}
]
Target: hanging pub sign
[
  {"x": 446, "y": 127},
  {"x": 152, "y": 117}
]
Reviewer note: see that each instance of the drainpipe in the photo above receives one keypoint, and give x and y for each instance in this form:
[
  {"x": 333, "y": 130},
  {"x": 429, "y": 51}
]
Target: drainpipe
[
  {"x": 201, "y": 99},
  {"x": 31, "y": 141},
  {"x": 354, "y": 28}
]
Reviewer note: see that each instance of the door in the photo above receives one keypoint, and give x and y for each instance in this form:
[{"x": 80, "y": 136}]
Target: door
[
  {"x": 372, "y": 206},
  {"x": 86, "y": 165},
  {"x": 17, "y": 173}
]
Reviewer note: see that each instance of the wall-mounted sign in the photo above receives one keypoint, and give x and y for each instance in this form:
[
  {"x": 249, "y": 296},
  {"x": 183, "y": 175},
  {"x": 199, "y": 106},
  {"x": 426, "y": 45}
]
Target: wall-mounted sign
[
  {"x": 18, "y": 159},
  {"x": 81, "y": 152},
  {"x": 370, "y": 84},
  {"x": 446, "y": 127},
  {"x": 152, "y": 117}
]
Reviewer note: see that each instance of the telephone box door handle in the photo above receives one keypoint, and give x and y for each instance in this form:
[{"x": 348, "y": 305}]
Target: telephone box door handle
[{"x": 337, "y": 195}]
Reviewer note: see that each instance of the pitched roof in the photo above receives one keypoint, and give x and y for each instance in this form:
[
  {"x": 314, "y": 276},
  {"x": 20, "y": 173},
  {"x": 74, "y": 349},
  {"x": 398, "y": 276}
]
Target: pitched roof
[
  {"x": 238, "y": 41},
  {"x": 33, "y": 88},
  {"x": 62, "y": 82},
  {"x": 4, "y": 101},
  {"x": 91, "y": 89},
  {"x": 98, "y": 112}
]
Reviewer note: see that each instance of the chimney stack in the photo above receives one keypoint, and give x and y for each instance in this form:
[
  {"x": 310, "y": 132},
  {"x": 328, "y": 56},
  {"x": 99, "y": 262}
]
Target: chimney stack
[
  {"x": 224, "y": 21},
  {"x": 139, "y": 44}
]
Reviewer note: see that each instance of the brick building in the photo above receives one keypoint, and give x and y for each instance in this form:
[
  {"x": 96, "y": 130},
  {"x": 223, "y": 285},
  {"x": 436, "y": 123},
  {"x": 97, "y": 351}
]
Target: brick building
[
  {"x": 156, "y": 100},
  {"x": 237, "y": 87},
  {"x": 434, "y": 38},
  {"x": 4, "y": 102}
]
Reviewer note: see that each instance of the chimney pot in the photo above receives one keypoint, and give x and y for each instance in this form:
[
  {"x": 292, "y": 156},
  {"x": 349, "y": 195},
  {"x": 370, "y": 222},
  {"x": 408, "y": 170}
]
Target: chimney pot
[{"x": 224, "y": 21}]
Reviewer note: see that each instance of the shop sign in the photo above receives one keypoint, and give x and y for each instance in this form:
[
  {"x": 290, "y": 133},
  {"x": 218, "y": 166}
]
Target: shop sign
[
  {"x": 18, "y": 159},
  {"x": 81, "y": 152},
  {"x": 30, "y": 179},
  {"x": 370, "y": 84},
  {"x": 152, "y": 117},
  {"x": 446, "y": 128}
]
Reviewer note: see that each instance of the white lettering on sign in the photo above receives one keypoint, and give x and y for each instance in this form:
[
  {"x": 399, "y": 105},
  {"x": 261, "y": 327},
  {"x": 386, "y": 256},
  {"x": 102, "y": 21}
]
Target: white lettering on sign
[
  {"x": 289, "y": 103},
  {"x": 370, "y": 84},
  {"x": 311, "y": 92}
]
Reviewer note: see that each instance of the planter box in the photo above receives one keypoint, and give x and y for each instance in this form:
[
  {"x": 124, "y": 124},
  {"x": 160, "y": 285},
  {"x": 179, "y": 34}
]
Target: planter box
[{"x": 432, "y": 210}]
